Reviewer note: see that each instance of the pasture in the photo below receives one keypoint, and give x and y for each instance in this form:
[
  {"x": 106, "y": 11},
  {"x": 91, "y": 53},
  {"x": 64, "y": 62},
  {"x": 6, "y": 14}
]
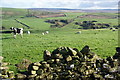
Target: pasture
[
  {"x": 102, "y": 42},
  {"x": 31, "y": 47}
]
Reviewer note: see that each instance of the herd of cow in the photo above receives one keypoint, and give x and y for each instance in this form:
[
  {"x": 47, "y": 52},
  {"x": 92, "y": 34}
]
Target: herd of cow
[{"x": 19, "y": 31}]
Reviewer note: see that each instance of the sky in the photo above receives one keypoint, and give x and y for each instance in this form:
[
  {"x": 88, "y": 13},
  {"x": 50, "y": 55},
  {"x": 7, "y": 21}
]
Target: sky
[{"x": 71, "y": 4}]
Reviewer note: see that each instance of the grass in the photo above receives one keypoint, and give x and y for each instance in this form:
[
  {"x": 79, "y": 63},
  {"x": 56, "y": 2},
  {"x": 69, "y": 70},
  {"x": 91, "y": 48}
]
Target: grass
[
  {"x": 101, "y": 42},
  {"x": 8, "y": 23},
  {"x": 13, "y": 13},
  {"x": 36, "y": 23}
]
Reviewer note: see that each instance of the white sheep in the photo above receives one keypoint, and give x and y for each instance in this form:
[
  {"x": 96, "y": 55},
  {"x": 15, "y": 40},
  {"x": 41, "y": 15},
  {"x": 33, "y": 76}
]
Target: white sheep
[
  {"x": 79, "y": 32},
  {"x": 46, "y": 32},
  {"x": 28, "y": 32},
  {"x": 43, "y": 33}
]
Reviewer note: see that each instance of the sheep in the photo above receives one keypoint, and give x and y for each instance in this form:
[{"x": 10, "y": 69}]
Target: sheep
[
  {"x": 17, "y": 31},
  {"x": 79, "y": 32},
  {"x": 28, "y": 32},
  {"x": 43, "y": 33},
  {"x": 46, "y": 32},
  {"x": 113, "y": 29}
]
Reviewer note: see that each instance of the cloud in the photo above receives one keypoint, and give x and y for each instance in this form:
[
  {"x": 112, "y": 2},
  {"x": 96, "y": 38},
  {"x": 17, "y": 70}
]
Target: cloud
[
  {"x": 77, "y": 4},
  {"x": 56, "y": 4},
  {"x": 86, "y": 4},
  {"x": 16, "y": 3},
  {"x": 107, "y": 4},
  {"x": 99, "y": 5}
]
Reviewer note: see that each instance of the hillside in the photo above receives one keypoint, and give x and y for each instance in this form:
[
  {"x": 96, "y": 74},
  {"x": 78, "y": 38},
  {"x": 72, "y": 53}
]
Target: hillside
[
  {"x": 13, "y": 12},
  {"x": 31, "y": 47},
  {"x": 77, "y": 10},
  {"x": 20, "y": 13}
]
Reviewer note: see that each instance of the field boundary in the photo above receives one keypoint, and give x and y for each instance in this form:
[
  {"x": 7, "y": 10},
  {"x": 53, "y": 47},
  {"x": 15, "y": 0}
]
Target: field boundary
[{"x": 22, "y": 23}]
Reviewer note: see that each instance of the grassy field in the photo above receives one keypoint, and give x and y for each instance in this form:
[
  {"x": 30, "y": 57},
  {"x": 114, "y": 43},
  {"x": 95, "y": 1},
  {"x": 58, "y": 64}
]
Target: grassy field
[
  {"x": 13, "y": 13},
  {"x": 31, "y": 47},
  {"x": 94, "y": 38},
  {"x": 102, "y": 42}
]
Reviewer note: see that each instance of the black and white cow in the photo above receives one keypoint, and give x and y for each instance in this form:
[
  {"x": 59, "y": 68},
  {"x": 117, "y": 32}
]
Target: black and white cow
[{"x": 17, "y": 31}]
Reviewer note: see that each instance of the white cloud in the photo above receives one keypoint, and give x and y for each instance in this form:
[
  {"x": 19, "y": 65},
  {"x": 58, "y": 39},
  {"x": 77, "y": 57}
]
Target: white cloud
[
  {"x": 16, "y": 3},
  {"x": 78, "y": 4}
]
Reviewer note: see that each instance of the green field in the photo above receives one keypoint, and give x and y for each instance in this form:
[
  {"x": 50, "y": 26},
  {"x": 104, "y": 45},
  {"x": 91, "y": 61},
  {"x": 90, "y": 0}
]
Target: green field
[{"x": 31, "y": 47}]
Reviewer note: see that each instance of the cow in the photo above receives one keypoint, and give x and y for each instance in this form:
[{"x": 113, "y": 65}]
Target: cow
[{"x": 17, "y": 31}]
